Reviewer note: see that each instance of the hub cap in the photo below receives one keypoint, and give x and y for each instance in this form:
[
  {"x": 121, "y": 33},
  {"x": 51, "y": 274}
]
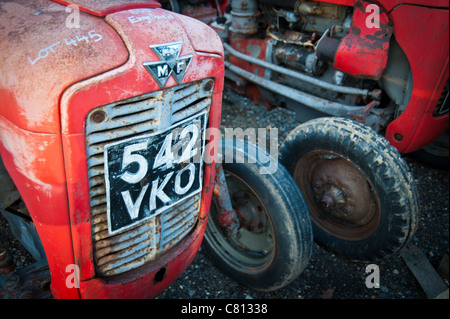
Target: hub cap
[
  {"x": 251, "y": 250},
  {"x": 341, "y": 199}
]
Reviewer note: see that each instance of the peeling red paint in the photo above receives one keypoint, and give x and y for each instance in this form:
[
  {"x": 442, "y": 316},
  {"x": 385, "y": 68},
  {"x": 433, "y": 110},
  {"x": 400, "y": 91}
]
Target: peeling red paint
[{"x": 364, "y": 51}]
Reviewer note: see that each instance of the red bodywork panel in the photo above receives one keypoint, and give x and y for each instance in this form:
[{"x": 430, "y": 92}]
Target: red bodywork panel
[
  {"x": 121, "y": 84},
  {"x": 102, "y": 8},
  {"x": 421, "y": 28},
  {"x": 41, "y": 57},
  {"x": 391, "y": 4},
  {"x": 47, "y": 88},
  {"x": 364, "y": 51},
  {"x": 423, "y": 34},
  {"x": 349, "y": 3}
]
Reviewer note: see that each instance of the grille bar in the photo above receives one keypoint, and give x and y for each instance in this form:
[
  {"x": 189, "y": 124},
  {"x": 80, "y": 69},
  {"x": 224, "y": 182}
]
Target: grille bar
[{"x": 131, "y": 248}]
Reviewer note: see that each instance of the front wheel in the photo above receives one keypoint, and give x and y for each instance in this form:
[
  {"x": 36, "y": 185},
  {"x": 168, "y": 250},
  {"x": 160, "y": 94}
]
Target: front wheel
[
  {"x": 362, "y": 199},
  {"x": 273, "y": 241}
]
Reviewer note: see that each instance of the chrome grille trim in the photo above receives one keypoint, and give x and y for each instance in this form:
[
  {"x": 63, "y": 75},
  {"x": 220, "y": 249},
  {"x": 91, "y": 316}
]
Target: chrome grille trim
[{"x": 132, "y": 248}]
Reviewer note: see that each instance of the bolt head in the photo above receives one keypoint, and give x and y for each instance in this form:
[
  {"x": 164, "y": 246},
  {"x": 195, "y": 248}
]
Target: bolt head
[{"x": 98, "y": 117}]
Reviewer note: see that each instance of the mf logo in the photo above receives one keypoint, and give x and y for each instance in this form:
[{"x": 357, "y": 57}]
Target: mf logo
[{"x": 170, "y": 62}]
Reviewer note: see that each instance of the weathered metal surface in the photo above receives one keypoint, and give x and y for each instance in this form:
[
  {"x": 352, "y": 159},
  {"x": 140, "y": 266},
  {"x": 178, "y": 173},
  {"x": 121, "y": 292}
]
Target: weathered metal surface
[
  {"x": 226, "y": 215},
  {"x": 127, "y": 250},
  {"x": 294, "y": 74},
  {"x": 361, "y": 114},
  {"x": 341, "y": 198},
  {"x": 340, "y": 2},
  {"x": 244, "y": 16},
  {"x": 46, "y": 93},
  {"x": 42, "y": 56},
  {"x": 139, "y": 29},
  {"x": 250, "y": 211},
  {"x": 414, "y": 26},
  {"x": 326, "y": 49},
  {"x": 364, "y": 50},
  {"x": 392, "y": 4},
  {"x": 203, "y": 12},
  {"x": 329, "y": 10},
  {"x": 102, "y": 8},
  {"x": 316, "y": 103},
  {"x": 296, "y": 57},
  {"x": 35, "y": 163}
]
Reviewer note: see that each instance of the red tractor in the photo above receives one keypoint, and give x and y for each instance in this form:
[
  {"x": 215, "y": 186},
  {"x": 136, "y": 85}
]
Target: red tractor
[
  {"x": 109, "y": 120},
  {"x": 369, "y": 79},
  {"x": 109, "y": 113},
  {"x": 89, "y": 92}
]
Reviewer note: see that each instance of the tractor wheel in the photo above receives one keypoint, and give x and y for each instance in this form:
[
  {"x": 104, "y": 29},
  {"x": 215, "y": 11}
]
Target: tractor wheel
[
  {"x": 272, "y": 243},
  {"x": 435, "y": 154},
  {"x": 361, "y": 196}
]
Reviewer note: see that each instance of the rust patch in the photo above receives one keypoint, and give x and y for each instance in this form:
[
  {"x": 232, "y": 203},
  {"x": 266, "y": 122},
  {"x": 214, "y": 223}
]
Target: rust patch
[{"x": 364, "y": 51}]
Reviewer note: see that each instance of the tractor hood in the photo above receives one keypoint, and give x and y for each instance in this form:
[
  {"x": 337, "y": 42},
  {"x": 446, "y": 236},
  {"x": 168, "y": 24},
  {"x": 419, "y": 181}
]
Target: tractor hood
[
  {"x": 46, "y": 47},
  {"x": 101, "y": 8}
]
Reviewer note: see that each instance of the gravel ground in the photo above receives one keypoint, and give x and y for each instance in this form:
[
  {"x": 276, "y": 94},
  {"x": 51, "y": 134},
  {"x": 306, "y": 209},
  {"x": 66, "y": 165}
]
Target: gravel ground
[{"x": 327, "y": 275}]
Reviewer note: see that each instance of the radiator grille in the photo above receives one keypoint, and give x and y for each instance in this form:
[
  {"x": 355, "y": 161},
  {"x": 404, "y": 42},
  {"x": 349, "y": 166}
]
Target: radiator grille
[{"x": 131, "y": 248}]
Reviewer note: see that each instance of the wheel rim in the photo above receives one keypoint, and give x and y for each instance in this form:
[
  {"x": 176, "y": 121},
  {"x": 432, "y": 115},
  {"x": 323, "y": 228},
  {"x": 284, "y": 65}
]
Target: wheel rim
[
  {"x": 251, "y": 250},
  {"x": 341, "y": 199}
]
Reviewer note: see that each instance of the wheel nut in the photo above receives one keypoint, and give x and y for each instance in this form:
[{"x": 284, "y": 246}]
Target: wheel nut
[
  {"x": 209, "y": 85},
  {"x": 327, "y": 201}
]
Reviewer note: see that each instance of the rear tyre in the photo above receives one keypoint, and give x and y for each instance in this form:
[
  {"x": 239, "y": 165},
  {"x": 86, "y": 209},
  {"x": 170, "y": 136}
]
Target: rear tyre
[
  {"x": 435, "y": 154},
  {"x": 362, "y": 199},
  {"x": 274, "y": 241}
]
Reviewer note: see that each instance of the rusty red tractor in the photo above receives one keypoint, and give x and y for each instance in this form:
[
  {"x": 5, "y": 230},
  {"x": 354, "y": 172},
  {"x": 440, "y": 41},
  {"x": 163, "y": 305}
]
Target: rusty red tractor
[
  {"x": 109, "y": 114},
  {"x": 90, "y": 93},
  {"x": 369, "y": 81}
]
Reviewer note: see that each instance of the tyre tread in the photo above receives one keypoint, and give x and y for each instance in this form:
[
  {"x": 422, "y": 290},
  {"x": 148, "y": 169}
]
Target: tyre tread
[{"x": 381, "y": 157}]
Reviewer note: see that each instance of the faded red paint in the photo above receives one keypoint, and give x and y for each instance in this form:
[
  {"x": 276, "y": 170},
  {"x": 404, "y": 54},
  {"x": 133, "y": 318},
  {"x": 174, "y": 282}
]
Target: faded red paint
[
  {"x": 226, "y": 215},
  {"x": 421, "y": 28},
  {"x": 204, "y": 12},
  {"x": 254, "y": 47},
  {"x": 349, "y": 3},
  {"x": 43, "y": 107},
  {"x": 102, "y": 8},
  {"x": 391, "y": 4},
  {"x": 30, "y": 87},
  {"x": 363, "y": 52},
  {"x": 423, "y": 34},
  {"x": 141, "y": 284}
]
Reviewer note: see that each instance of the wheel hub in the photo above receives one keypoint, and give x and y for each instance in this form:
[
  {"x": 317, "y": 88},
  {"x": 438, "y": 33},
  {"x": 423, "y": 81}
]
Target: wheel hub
[
  {"x": 341, "y": 192},
  {"x": 251, "y": 215},
  {"x": 339, "y": 195}
]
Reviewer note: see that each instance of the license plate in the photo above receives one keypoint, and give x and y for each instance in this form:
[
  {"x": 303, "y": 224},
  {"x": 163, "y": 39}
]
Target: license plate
[{"x": 147, "y": 174}]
